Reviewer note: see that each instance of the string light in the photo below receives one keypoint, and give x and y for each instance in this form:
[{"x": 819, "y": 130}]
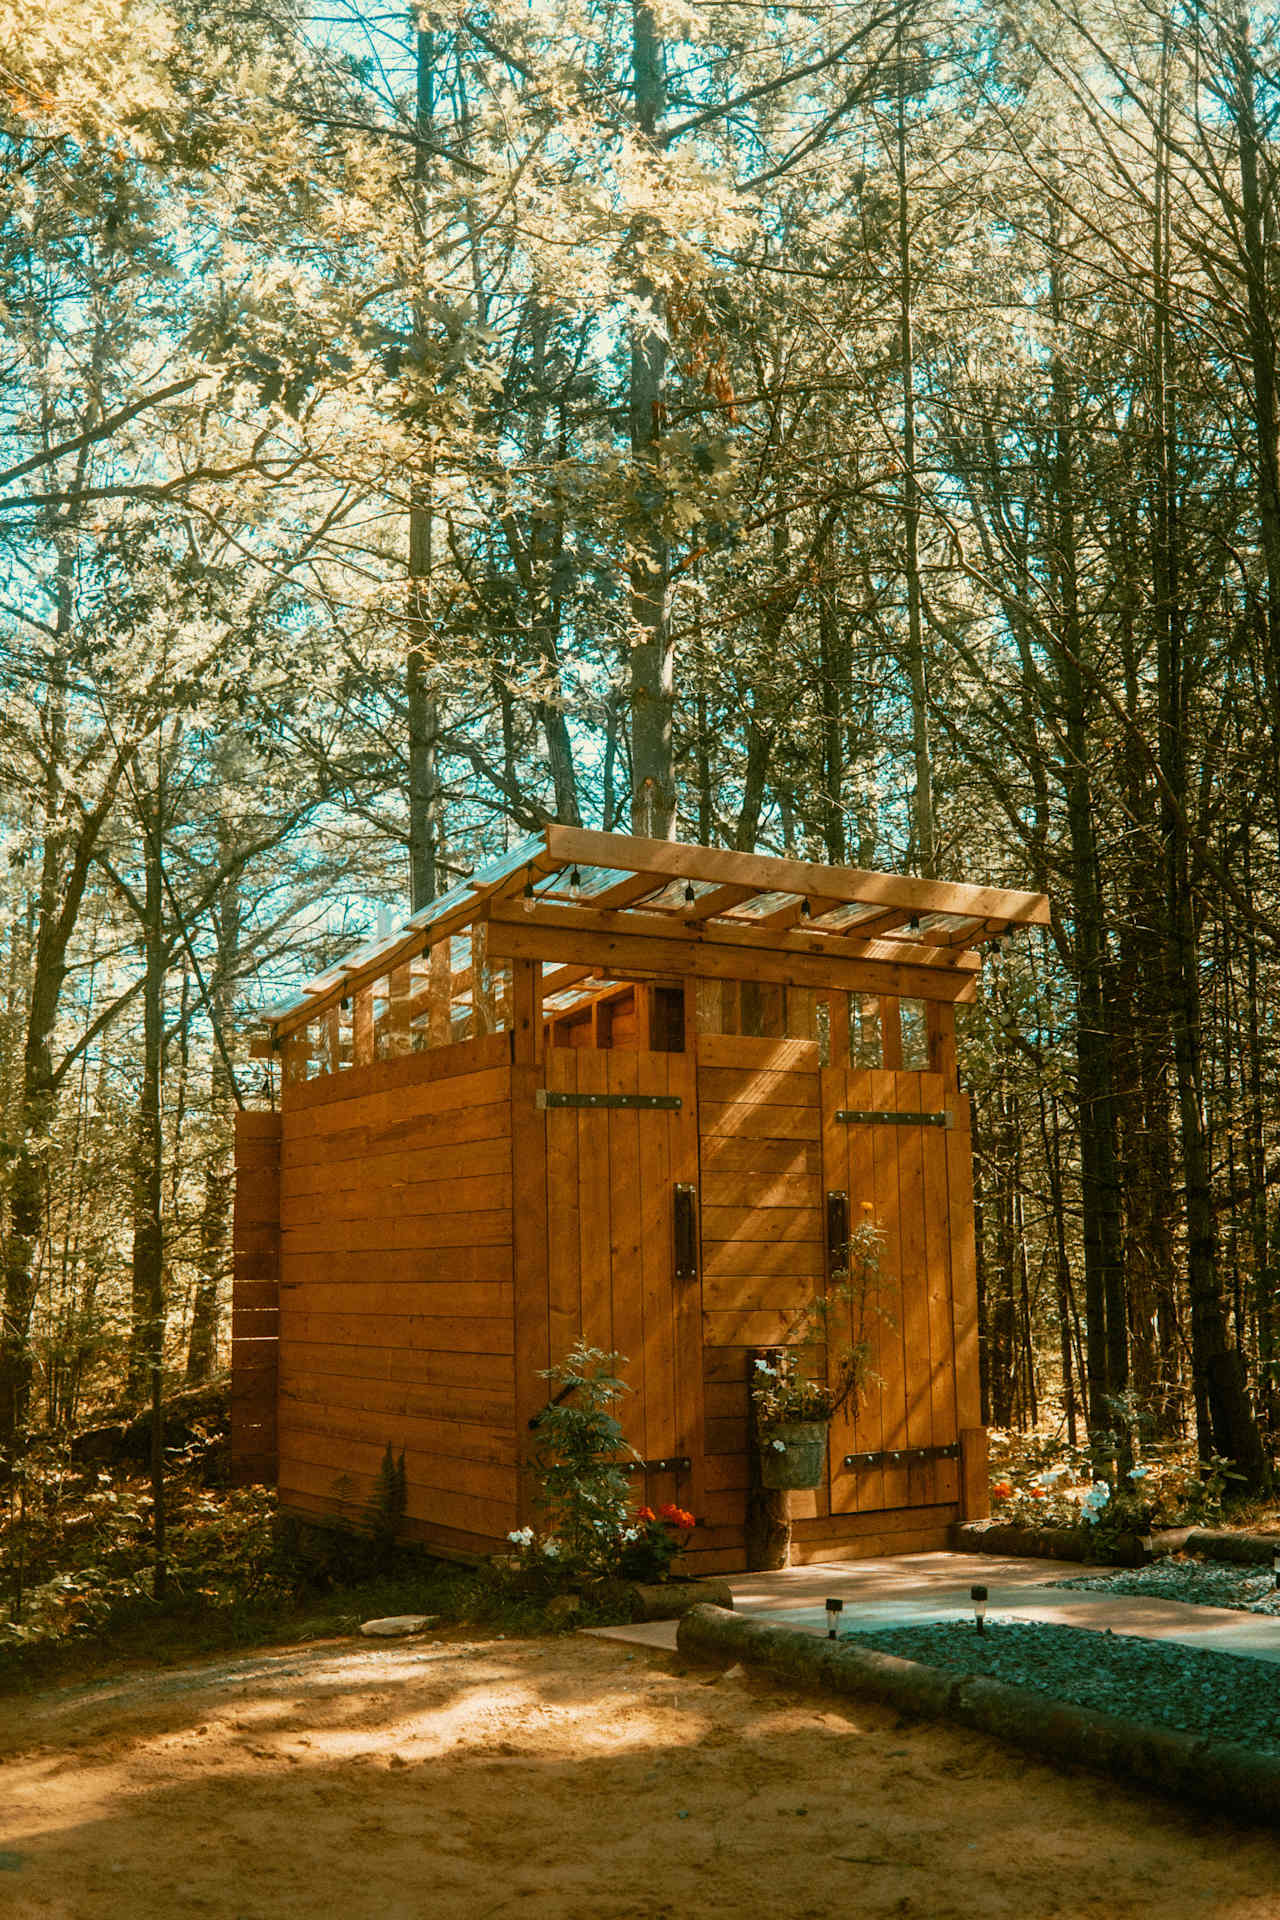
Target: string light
[
  {"x": 689, "y": 894},
  {"x": 529, "y": 895},
  {"x": 575, "y": 885}
]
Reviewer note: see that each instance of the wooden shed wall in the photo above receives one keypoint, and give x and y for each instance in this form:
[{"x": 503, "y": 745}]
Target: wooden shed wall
[
  {"x": 396, "y": 1303},
  {"x": 426, "y": 1276}
]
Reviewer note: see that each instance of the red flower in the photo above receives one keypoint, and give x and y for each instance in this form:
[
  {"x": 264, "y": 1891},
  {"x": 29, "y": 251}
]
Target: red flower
[
  {"x": 678, "y": 1517},
  {"x": 646, "y": 1514}
]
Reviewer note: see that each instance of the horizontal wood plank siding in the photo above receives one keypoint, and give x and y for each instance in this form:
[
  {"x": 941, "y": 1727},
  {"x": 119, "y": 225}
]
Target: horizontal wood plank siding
[{"x": 396, "y": 1296}]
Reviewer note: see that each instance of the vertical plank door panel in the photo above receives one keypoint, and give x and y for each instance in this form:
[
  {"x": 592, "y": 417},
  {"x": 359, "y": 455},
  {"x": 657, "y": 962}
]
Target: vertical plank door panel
[
  {"x": 884, "y": 1147},
  {"x": 564, "y": 1199},
  {"x": 942, "y": 1359},
  {"x": 687, "y": 1318},
  {"x": 908, "y": 1098},
  {"x": 653, "y": 1198},
  {"x": 624, "y": 1242},
  {"x": 595, "y": 1197}
]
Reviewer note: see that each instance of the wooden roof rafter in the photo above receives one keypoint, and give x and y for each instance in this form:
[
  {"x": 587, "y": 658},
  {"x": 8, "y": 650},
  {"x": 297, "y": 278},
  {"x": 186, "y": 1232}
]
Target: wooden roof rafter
[{"x": 559, "y": 887}]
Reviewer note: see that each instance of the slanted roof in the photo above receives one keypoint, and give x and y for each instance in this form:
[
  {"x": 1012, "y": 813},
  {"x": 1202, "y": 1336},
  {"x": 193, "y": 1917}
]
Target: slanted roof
[{"x": 567, "y": 886}]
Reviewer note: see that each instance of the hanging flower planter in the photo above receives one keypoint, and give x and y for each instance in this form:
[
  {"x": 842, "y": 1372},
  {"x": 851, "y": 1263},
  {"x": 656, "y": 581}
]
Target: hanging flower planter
[
  {"x": 793, "y": 1455},
  {"x": 797, "y": 1389}
]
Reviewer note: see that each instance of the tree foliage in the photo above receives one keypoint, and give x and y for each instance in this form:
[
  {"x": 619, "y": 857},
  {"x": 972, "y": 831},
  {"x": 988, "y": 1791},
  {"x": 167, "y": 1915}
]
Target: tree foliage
[{"x": 846, "y": 431}]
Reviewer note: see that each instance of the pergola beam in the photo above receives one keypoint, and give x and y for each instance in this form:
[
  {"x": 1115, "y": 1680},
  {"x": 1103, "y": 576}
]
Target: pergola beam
[
  {"x": 711, "y": 958},
  {"x": 770, "y": 873},
  {"x": 551, "y": 917},
  {"x": 731, "y": 878}
]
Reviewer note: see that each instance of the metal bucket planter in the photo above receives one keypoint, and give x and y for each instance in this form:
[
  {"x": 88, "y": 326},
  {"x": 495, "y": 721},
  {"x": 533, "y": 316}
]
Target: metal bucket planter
[{"x": 799, "y": 1461}]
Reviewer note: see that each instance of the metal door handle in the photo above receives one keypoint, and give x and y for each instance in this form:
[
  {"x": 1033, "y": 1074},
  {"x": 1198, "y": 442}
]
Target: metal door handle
[
  {"x": 838, "y": 1235},
  {"x": 685, "y": 1221}
]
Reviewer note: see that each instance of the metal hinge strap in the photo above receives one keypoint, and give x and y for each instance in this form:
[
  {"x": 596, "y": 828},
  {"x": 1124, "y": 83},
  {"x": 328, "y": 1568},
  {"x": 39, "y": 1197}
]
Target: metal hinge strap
[
  {"x": 642, "y": 1102},
  {"x": 902, "y": 1457},
  {"x": 851, "y": 1117}
]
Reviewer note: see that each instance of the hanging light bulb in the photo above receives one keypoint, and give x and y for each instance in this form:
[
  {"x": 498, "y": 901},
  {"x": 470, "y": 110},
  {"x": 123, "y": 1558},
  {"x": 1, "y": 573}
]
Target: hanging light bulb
[
  {"x": 689, "y": 894},
  {"x": 575, "y": 885},
  {"x": 913, "y": 924},
  {"x": 529, "y": 896},
  {"x": 806, "y": 911}
]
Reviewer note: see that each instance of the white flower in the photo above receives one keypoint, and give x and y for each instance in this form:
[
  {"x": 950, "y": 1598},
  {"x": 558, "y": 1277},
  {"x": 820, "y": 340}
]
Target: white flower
[
  {"x": 551, "y": 1549},
  {"x": 779, "y": 1446},
  {"x": 1094, "y": 1501},
  {"x": 521, "y": 1537}
]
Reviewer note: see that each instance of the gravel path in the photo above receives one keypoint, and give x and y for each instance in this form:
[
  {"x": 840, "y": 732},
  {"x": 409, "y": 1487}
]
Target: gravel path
[
  {"x": 1223, "y": 1695},
  {"x": 1205, "y": 1583}
]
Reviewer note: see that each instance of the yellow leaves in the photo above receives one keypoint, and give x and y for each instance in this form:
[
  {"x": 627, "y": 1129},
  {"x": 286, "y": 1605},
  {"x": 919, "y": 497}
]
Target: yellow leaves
[{"x": 95, "y": 72}]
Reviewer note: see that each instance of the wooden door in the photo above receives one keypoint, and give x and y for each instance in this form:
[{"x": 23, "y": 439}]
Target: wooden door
[
  {"x": 612, "y": 1175},
  {"x": 912, "y": 1176},
  {"x": 760, "y": 1117}
]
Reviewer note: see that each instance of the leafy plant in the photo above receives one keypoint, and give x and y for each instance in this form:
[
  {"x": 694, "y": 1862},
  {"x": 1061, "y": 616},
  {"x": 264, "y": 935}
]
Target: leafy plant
[
  {"x": 387, "y": 1505},
  {"x": 653, "y": 1540},
  {"x": 583, "y": 1492},
  {"x": 834, "y": 1320}
]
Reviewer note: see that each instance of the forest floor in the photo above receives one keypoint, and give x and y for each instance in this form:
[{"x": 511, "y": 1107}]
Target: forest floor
[{"x": 563, "y": 1779}]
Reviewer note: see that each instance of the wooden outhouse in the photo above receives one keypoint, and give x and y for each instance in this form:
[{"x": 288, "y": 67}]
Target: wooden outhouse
[{"x": 627, "y": 1090}]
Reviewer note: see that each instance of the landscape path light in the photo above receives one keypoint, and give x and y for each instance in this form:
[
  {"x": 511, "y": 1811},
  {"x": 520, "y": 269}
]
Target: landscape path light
[
  {"x": 1275, "y": 1567},
  {"x": 834, "y": 1609},
  {"x": 978, "y": 1595}
]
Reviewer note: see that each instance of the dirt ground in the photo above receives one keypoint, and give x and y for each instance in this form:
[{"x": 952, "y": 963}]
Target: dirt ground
[{"x": 568, "y": 1779}]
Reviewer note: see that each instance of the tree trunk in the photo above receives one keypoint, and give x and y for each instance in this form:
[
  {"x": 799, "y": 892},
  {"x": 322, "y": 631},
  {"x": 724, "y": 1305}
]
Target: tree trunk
[
  {"x": 146, "y": 1333},
  {"x": 1224, "y": 1419},
  {"x": 1105, "y": 1303},
  {"x": 420, "y": 677},
  {"x": 652, "y": 658},
  {"x": 64, "y": 870},
  {"x": 917, "y": 665},
  {"x": 1260, "y": 298},
  {"x": 214, "y": 1260},
  {"x": 833, "y": 673}
]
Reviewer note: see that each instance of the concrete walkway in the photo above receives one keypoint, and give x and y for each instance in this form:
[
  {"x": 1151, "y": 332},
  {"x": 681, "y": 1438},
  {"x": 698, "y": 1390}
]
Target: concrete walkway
[{"x": 910, "y": 1589}]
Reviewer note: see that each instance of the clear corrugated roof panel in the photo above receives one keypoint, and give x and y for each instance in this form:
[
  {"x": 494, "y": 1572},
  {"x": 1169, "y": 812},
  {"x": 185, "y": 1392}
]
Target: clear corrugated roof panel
[
  {"x": 675, "y": 895},
  {"x": 763, "y": 904},
  {"x": 841, "y": 918},
  {"x": 591, "y": 880},
  {"x": 944, "y": 922}
]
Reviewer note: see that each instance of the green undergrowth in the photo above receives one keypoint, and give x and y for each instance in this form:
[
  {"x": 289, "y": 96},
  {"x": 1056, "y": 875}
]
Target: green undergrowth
[
  {"x": 1038, "y": 1480},
  {"x": 77, "y": 1569}
]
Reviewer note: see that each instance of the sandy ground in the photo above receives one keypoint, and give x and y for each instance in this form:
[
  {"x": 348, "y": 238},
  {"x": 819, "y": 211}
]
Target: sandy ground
[{"x": 563, "y": 1780}]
